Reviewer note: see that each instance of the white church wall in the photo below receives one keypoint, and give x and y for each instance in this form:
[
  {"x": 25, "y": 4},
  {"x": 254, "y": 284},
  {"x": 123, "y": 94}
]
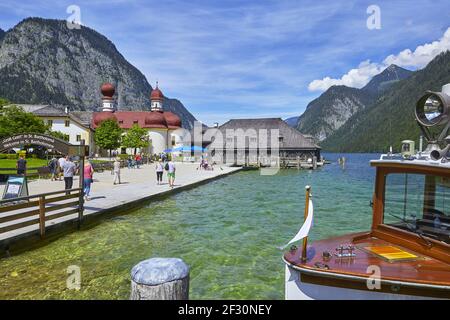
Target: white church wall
[{"x": 158, "y": 140}]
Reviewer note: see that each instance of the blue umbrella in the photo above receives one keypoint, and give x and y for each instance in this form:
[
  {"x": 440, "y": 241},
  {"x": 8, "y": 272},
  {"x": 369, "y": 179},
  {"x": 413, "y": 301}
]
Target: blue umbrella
[{"x": 185, "y": 149}]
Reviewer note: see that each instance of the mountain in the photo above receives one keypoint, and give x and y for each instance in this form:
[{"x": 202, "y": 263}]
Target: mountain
[
  {"x": 2, "y": 34},
  {"x": 386, "y": 79},
  {"x": 292, "y": 122},
  {"x": 44, "y": 62},
  {"x": 391, "y": 119},
  {"x": 327, "y": 113},
  {"x": 331, "y": 110}
]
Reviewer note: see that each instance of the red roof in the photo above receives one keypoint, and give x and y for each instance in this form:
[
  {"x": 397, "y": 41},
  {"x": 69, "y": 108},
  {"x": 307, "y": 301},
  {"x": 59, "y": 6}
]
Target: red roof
[
  {"x": 145, "y": 119},
  {"x": 156, "y": 94},
  {"x": 102, "y": 116},
  {"x": 108, "y": 90}
]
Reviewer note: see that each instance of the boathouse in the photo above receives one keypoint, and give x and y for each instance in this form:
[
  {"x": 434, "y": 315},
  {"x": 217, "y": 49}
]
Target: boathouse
[{"x": 259, "y": 141}]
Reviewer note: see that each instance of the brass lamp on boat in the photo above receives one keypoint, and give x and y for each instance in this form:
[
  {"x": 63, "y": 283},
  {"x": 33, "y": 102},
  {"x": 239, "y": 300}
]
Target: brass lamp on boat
[{"x": 406, "y": 252}]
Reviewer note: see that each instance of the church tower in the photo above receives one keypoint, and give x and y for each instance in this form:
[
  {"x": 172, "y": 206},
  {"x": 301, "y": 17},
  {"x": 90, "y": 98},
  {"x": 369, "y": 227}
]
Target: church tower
[
  {"x": 108, "y": 91},
  {"x": 156, "y": 98}
]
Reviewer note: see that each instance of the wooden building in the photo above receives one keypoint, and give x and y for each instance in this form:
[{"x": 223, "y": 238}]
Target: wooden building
[{"x": 259, "y": 142}]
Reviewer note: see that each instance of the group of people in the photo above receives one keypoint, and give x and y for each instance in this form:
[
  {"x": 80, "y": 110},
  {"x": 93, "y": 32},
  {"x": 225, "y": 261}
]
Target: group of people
[
  {"x": 135, "y": 162},
  {"x": 66, "y": 168},
  {"x": 205, "y": 165}
]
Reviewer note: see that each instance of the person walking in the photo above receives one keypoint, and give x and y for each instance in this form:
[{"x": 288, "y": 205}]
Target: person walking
[
  {"x": 69, "y": 169},
  {"x": 88, "y": 179},
  {"x": 60, "y": 167},
  {"x": 159, "y": 172},
  {"x": 21, "y": 166},
  {"x": 171, "y": 173},
  {"x": 116, "y": 168},
  {"x": 53, "y": 166},
  {"x": 138, "y": 159}
]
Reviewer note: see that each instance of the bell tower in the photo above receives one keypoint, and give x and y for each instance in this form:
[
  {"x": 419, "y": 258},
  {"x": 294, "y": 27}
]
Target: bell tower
[
  {"x": 156, "y": 99},
  {"x": 108, "y": 91}
]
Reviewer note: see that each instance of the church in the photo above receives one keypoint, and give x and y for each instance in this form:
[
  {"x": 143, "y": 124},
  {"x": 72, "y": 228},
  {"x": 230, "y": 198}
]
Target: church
[{"x": 164, "y": 127}]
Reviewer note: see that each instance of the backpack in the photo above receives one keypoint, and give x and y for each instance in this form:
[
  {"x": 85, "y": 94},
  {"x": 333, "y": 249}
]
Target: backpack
[{"x": 166, "y": 167}]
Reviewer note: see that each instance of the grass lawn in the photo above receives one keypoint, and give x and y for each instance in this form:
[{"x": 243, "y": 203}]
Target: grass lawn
[
  {"x": 99, "y": 161},
  {"x": 31, "y": 163}
]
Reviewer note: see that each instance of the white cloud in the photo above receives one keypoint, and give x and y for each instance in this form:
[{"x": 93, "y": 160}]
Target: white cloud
[
  {"x": 422, "y": 55},
  {"x": 356, "y": 78},
  {"x": 360, "y": 76}
]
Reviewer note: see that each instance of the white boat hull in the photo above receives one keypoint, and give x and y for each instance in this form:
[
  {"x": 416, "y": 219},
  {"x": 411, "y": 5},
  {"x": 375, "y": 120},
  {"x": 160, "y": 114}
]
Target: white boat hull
[{"x": 295, "y": 289}]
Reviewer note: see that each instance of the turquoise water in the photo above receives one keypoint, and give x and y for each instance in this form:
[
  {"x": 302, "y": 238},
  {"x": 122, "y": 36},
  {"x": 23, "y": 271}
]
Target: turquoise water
[{"x": 226, "y": 230}]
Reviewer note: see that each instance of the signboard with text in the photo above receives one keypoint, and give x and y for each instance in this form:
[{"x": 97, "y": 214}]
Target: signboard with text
[
  {"x": 17, "y": 186},
  {"x": 49, "y": 142}
]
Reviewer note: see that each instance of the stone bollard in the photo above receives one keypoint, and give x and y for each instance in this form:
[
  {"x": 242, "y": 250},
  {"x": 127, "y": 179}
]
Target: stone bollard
[{"x": 160, "y": 279}]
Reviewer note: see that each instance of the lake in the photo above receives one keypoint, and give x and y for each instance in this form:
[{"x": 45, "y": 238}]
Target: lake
[{"x": 227, "y": 231}]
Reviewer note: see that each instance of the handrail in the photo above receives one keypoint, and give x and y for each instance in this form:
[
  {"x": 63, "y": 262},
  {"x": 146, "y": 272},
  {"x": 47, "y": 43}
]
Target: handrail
[
  {"x": 39, "y": 195},
  {"x": 28, "y": 168},
  {"x": 38, "y": 212}
]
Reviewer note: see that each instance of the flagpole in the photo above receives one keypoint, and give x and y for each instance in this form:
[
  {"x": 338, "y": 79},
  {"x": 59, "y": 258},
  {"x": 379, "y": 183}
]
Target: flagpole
[{"x": 305, "y": 239}]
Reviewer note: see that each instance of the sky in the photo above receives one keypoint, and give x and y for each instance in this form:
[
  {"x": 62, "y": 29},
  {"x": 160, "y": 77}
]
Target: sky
[{"x": 256, "y": 58}]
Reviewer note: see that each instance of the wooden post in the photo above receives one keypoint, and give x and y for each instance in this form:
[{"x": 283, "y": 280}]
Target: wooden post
[
  {"x": 314, "y": 162},
  {"x": 81, "y": 184},
  {"x": 42, "y": 216},
  {"x": 160, "y": 279},
  {"x": 305, "y": 239}
]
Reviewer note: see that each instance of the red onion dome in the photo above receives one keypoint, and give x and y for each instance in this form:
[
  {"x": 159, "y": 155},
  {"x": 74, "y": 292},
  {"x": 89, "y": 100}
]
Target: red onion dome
[
  {"x": 156, "y": 94},
  {"x": 155, "y": 120},
  {"x": 108, "y": 90},
  {"x": 172, "y": 119},
  {"x": 102, "y": 116}
]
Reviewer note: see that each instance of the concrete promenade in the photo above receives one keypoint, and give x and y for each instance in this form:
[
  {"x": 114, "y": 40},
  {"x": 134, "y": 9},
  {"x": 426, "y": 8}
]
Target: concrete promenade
[{"x": 136, "y": 185}]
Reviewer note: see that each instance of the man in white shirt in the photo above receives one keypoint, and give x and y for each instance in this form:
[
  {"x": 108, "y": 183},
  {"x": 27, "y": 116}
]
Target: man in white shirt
[
  {"x": 171, "y": 173},
  {"x": 61, "y": 162}
]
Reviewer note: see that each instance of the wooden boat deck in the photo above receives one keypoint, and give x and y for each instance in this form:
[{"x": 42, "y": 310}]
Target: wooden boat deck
[{"x": 422, "y": 272}]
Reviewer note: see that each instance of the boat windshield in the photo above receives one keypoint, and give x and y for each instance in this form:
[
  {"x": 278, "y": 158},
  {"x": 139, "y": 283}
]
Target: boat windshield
[{"x": 418, "y": 203}]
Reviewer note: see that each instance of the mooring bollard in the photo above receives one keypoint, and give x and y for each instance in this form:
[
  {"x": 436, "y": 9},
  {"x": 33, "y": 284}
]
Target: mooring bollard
[{"x": 160, "y": 279}]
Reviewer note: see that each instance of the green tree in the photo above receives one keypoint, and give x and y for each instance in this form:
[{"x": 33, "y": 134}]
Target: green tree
[
  {"x": 108, "y": 135},
  {"x": 4, "y": 102},
  {"x": 136, "y": 137},
  {"x": 13, "y": 120},
  {"x": 59, "y": 135}
]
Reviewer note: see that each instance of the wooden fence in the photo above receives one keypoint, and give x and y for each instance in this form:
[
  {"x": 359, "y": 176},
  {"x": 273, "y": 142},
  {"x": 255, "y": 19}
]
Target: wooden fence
[
  {"x": 32, "y": 172},
  {"x": 36, "y": 210}
]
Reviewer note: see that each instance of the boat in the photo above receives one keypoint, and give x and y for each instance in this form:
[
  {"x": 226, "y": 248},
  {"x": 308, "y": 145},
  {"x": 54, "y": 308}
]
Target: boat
[{"x": 406, "y": 252}]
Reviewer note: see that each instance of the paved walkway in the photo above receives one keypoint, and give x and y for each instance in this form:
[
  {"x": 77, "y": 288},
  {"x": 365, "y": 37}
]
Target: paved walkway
[{"x": 135, "y": 184}]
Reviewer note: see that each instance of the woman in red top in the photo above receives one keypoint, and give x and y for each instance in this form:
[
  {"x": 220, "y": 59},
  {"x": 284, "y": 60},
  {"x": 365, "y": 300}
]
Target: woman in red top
[
  {"x": 138, "y": 159},
  {"x": 88, "y": 179}
]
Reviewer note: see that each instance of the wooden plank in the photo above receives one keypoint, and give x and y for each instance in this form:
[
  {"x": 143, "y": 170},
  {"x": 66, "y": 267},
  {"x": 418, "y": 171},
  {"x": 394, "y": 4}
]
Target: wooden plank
[
  {"x": 62, "y": 206},
  {"x": 19, "y": 206},
  {"x": 61, "y": 198},
  {"x": 19, "y": 225},
  {"x": 42, "y": 216},
  {"x": 61, "y": 214},
  {"x": 18, "y": 216}
]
